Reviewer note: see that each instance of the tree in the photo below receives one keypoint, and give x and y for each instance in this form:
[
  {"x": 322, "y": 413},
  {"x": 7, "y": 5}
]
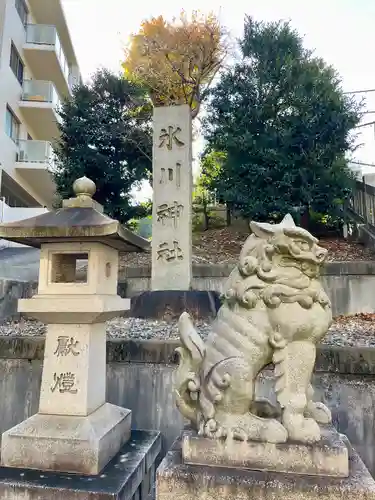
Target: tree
[
  {"x": 201, "y": 201},
  {"x": 105, "y": 135},
  {"x": 208, "y": 182},
  {"x": 177, "y": 61},
  {"x": 281, "y": 118},
  {"x": 211, "y": 164}
]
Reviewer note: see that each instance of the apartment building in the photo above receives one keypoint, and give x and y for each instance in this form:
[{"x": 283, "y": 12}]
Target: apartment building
[{"x": 38, "y": 68}]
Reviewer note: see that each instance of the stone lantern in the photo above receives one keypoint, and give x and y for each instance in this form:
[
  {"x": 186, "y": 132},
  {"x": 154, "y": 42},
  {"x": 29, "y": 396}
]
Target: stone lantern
[{"x": 75, "y": 430}]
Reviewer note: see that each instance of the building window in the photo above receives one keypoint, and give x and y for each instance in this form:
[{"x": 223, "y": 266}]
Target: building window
[
  {"x": 16, "y": 64},
  {"x": 22, "y": 10},
  {"x": 12, "y": 125}
]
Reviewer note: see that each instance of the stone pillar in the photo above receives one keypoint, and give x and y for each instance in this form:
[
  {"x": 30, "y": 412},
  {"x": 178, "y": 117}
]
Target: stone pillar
[
  {"x": 75, "y": 430},
  {"x": 172, "y": 201}
]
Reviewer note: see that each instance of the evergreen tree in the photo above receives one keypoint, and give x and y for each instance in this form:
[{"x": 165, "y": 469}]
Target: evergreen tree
[
  {"x": 105, "y": 135},
  {"x": 282, "y": 120}
]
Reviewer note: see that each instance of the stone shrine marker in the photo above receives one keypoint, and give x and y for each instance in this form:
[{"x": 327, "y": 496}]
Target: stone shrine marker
[{"x": 172, "y": 199}]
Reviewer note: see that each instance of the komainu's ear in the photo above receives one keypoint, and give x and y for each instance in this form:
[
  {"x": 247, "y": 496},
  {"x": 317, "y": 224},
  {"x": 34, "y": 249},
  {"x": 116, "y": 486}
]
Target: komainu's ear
[
  {"x": 288, "y": 221},
  {"x": 262, "y": 229}
]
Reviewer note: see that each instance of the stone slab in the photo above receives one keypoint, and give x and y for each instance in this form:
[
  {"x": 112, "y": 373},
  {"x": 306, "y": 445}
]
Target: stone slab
[
  {"x": 328, "y": 457},
  {"x": 128, "y": 476},
  {"x": 73, "y": 308},
  {"x": 67, "y": 443},
  {"x": 332, "y": 359},
  {"x": 179, "y": 481}
]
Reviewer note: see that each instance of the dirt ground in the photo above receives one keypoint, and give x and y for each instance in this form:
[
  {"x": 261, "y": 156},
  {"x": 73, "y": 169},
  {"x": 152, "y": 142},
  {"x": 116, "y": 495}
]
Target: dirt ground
[{"x": 222, "y": 246}]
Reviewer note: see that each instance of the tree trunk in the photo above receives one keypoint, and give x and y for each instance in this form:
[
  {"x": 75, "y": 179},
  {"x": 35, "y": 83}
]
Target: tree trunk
[
  {"x": 229, "y": 214},
  {"x": 206, "y": 217},
  {"x": 305, "y": 219}
]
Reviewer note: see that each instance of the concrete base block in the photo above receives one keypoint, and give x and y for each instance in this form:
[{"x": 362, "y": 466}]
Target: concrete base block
[
  {"x": 328, "y": 457},
  {"x": 168, "y": 305},
  {"x": 63, "y": 443},
  {"x": 179, "y": 481},
  {"x": 129, "y": 476}
]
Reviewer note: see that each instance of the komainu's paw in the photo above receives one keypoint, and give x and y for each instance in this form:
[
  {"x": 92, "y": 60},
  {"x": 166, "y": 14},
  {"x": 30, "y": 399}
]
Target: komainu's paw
[
  {"x": 274, "y": 432},
  {"x": 265, "y": 409},
  {"x": 319, "y": 412},
  {"x": 249, "y": 427},
  {"x": 303, "y": 430}
]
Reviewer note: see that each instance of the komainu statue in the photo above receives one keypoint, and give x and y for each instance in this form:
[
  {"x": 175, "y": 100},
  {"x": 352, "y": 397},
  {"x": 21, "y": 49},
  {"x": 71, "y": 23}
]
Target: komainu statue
[{"x": 274, "y": 310}]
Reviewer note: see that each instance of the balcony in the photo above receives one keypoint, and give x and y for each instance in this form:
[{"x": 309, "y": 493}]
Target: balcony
[
  {"x": 35, "y": 164},
  {"x": 12, "y": 214},
  {"x": 39, "y": 105},
  {"x": 51, "y": 12},
  {"x": 45, "y": 56}
]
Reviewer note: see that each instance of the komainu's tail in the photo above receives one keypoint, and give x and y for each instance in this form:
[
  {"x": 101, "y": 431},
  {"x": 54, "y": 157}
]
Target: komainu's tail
[{"x": 187, "y": 383}]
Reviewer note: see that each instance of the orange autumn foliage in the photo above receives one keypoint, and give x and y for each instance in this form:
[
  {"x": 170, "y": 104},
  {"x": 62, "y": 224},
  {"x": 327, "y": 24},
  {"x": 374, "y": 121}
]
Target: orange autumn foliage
[{"x": 177, "y": 60}]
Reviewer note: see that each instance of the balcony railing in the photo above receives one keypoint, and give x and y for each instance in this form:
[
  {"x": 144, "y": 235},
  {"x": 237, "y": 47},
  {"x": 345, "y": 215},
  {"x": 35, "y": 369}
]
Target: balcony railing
[
  {"x": 73, "y": 81},
  {"x": 40, "y": 91},
  {"x": 44, "y": 34},
  {"x": 30, "y": 151},
  {"x": 11, "y": 214}
]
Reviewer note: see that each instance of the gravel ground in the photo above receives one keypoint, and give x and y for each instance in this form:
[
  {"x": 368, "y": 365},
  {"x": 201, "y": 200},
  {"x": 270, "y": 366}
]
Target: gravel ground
[
  {"x": 358, "y": 330},
  {"x": 351, "y": 333}
]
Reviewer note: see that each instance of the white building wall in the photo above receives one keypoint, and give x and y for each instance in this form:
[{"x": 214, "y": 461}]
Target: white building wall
[
  {"x": 2, "y": 18},
  {"x": 13, "y": 30},
  {"x": 12, "y": 214},
  {"x": 10, "y": 94}
]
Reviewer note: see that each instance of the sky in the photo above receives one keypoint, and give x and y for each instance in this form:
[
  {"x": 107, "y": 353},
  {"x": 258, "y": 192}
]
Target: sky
[{"x": 342, "y": 32}]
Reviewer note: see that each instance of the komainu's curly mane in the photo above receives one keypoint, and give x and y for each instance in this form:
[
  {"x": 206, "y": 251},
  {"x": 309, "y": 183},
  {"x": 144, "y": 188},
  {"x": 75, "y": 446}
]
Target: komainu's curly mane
[{"x": 272, "y": 268}]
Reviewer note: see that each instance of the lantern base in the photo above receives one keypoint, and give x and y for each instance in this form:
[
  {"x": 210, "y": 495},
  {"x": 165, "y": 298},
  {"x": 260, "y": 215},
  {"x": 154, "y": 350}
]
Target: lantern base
[{"x": 67, "y": 443}]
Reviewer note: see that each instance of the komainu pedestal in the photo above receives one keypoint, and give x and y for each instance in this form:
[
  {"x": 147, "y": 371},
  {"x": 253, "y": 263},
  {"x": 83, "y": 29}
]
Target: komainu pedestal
[
  {"x": 327, "y": 457},
  {"x": 179, "y": 481},
  {"x": 274, "y": 311}
]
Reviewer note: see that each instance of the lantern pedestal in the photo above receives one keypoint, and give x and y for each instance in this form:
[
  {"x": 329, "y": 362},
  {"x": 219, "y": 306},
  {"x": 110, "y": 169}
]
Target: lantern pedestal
[
  {"x": 67, "y": 443},
  {"x": 128, "y": 476}
]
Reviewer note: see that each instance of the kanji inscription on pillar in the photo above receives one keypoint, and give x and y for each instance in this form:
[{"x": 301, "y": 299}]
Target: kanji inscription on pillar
[
  {"x": 169, "y": 137},
  {"x": 66, "y": 345},
  {"x": 172, "y": 201},
  {"x": 64, "y": 382},
  {"x": 171, "y": 175},
  {"x": 170, "y": 252},
  {"x": 169, "y": 212}
]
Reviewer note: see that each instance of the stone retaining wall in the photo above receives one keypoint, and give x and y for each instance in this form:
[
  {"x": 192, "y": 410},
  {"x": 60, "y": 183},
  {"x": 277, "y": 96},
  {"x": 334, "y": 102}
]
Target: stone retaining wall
[
  {"x": 10, "y": 292},
  {"x": 350, "y": 285},
  {"x": 140, "y": 377}
]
